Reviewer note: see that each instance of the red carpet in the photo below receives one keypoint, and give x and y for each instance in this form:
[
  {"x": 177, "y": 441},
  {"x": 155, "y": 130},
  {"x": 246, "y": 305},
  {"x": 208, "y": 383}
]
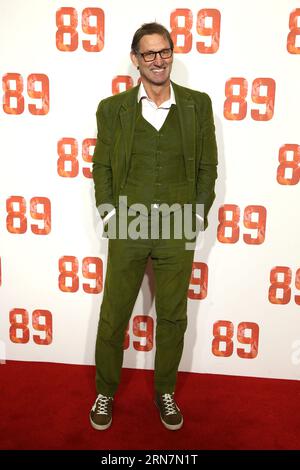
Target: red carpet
[{"x": 46, "y": 406}]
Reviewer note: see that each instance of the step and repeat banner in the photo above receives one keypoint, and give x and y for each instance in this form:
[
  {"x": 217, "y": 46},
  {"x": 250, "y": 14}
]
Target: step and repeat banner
[{"x": 58, "y": 60}]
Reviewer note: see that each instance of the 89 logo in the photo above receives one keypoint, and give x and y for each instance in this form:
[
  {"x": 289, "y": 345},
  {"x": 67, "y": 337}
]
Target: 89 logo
[
  {"x": 92, "y": 24},
  {"x": 68, "y": 163},
  {"x": 69, "y": 278},
  {"x": 41, "y": 321},
  {"x": 17, "y": 219},
  {"x": 247, "y": 334},
  {"x": 288, "y": 170},
  {"x": 262, "y": 92},
  {"x": 208, "y": 25},
  {"x": 14, "y": 95},
  {"x": 142, "y": 327},
  {"x": 254, "y": 218},
  {"x": 293, "y": 38},
  {"x": 280, "y": 291},
  {"x": 198, "y": 281}
]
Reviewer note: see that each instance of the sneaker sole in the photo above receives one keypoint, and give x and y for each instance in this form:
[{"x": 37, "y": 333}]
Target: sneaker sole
[
  {"x": 100, "y": 427},
  {"x": 172, "y": 427}
]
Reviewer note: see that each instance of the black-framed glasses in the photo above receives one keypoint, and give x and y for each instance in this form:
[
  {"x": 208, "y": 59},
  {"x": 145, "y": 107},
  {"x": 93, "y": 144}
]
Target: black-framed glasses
[{"x": 151, "y": 55}]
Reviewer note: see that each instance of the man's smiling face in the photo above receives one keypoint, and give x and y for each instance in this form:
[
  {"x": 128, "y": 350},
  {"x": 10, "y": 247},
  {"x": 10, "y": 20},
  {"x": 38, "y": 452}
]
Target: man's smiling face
[{"x": 158, "y": 71}]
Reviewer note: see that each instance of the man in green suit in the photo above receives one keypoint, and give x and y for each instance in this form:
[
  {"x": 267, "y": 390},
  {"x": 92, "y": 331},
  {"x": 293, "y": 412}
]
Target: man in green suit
[{"x": 156, "y": 147}]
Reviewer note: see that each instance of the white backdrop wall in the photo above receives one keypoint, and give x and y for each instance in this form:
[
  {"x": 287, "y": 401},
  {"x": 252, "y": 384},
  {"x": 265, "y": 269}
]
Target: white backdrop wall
[{"x": 58, "y": 59}]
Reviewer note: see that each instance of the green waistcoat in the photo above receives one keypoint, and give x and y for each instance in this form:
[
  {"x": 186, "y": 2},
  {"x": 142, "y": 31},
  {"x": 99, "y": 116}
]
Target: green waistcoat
[{"x": 157, "y": 172}]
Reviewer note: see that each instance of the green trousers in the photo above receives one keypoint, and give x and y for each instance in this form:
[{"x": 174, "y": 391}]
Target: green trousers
[{"x": 126, "y": 263}]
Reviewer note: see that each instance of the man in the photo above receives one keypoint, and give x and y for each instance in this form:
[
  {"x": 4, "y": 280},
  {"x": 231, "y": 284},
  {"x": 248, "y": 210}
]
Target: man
[{"x": 156, "y": 145}]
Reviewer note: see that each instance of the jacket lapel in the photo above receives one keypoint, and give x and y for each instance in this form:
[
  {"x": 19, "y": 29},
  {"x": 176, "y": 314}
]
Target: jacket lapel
[
  {"x": 128, "y": 117},
  {"x": 187, "y": 118}
]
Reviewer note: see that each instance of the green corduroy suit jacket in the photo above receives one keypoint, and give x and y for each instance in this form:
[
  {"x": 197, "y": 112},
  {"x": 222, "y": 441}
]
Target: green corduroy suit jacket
[{"x": 116, "y": 117}]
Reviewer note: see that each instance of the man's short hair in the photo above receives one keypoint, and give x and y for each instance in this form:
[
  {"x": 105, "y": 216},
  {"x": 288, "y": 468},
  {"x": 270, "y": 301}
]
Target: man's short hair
[{"x": 150, "y": 28}]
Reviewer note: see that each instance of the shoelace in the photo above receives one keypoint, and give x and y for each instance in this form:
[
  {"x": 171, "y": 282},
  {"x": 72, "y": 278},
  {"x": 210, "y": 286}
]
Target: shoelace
[
  {"x": 169, "y": 403},
  {"x": 102, "y": 405}
]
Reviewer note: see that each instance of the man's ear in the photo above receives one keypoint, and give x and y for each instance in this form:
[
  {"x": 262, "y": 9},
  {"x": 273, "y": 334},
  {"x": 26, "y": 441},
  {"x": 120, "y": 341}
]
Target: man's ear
[{"x": 134, "y": 60}]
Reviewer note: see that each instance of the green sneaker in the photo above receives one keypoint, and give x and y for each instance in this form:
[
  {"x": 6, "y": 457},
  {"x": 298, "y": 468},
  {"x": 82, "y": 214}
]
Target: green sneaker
[
  {"x": 170, "y": 414},
  {"x": 101, "y": 413}
]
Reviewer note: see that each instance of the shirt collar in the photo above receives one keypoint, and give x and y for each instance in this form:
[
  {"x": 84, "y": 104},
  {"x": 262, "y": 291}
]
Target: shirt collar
[{"x": 166, "y": 104}]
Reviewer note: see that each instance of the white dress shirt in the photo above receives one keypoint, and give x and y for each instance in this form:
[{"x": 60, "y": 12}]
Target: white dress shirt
[{"x": 154, "y": 114}]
